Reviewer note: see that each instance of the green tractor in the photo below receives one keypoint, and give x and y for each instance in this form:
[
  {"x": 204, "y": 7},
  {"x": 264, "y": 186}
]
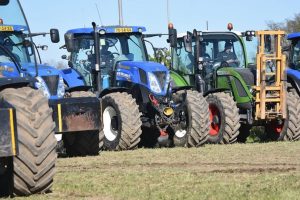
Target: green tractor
[{"x": 240, "y": 94}]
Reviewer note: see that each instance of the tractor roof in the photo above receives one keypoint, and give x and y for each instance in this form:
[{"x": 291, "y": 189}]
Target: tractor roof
[
  {"x": 180, "y": 35},
  {"x": 293, "y": 36},
  {"x": 110, "y": 29},
  {"x": 12, "y": 28}
]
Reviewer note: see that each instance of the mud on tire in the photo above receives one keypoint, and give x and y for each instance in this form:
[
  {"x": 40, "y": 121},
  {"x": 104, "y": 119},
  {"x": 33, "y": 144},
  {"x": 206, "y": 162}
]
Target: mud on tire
[
  {"x": 197, "y": 121},
  {"x": 34, "y": 167},
  {"x": 83, "y": 143},
  {"x": 225, "y": 115},
  {"x": 121, "y": 122}
]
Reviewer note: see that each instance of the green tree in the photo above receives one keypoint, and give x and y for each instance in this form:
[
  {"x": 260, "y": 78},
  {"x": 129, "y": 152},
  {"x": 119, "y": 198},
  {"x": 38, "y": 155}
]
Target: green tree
[{"x": 288, "y": 25}]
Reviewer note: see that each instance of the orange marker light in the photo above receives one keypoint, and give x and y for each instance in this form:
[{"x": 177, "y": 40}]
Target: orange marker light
[
  {"x": 229, "y": 26},
  {"x": 170, "y": 26}
]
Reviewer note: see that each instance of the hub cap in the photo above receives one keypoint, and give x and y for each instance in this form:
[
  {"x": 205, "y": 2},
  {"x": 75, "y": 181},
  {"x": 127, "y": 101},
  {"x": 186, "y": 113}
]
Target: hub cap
[
  {"x": 180, "y": 133},
  {"x": 215, "y": 123},
  {"x": 110, "y": 123}
]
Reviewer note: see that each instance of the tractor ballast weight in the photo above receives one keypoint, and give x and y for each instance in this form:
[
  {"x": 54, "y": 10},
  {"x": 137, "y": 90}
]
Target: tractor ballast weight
[{"x": 134, "y": 92}]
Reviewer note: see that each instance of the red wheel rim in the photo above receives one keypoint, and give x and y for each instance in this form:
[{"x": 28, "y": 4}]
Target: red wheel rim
[
  {"x": 214, "y": 115},
  {"x": 277, "y": 127}
]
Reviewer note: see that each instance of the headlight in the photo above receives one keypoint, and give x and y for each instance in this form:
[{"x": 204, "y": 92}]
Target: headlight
[
  {"x": 154, "y": 86},
  {"x": 41, "y": 85},
  {"x": 60, "y": 88}
]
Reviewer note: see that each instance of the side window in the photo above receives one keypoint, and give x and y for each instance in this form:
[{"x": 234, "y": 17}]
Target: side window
[
  {"x": 238, "y": 50},
  {"x": 134, "y": 48},
  {"x": 210, "y": 49}
]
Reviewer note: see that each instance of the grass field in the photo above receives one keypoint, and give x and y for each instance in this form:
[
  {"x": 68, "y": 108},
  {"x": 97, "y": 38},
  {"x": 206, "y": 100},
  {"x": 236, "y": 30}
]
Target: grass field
[{"x": 240, "y": 171}]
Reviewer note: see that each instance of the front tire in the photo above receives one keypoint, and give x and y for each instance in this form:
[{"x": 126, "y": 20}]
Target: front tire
[
  {"x": 197, "y": 130},
  {"x": 34, "y": 167},
  {"x": 224, "y": 118},
  {"x": 121, "y": 122}
]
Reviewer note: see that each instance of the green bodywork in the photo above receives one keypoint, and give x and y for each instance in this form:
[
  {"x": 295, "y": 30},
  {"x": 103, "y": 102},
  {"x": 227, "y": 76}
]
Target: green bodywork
[{"x": 225, "y": 78}]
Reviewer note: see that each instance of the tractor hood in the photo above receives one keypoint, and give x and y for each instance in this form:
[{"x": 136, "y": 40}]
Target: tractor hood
[
  {"x": 146, "y": 66},
  {"x": 43, "y": 70},
  {"x": 154, "y": 76}
]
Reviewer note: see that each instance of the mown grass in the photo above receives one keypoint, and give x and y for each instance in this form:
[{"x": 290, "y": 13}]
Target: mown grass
[{"x": 240, "y": 171}]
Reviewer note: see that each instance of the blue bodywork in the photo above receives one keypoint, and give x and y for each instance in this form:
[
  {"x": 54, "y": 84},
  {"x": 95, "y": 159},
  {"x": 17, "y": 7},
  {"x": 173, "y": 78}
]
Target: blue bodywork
[
  {"x": 294, "y": 74},
  {"x": 28, "y": 69},
  {"x": 126, "y": 71},
  {"x": 130, "y": 71}
]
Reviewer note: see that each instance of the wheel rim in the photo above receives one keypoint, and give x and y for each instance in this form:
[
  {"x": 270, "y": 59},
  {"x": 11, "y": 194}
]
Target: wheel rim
[
  {"x": 215, "y": 123},
  {"x": 180, "y": 133},
  {"x": 110, "y": 123},
  {"x": 277, "y": 127}
]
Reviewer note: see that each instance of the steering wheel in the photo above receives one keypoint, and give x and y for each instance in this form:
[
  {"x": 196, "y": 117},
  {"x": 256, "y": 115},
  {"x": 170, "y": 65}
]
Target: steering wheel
[{"x": 115, "y": 53}]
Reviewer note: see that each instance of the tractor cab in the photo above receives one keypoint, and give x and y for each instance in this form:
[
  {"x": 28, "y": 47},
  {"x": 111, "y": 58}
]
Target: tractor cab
[
  {"x": 216, "y": 50},
  {"x": 294, "y": 57},
  {"x": 123, "y": 55},
  {"x": 18, "y": 55}
]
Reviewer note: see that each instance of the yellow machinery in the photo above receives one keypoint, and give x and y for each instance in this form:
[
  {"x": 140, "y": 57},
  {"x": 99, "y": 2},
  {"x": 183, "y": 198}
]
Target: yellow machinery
[{"x": 270, "y": 98}]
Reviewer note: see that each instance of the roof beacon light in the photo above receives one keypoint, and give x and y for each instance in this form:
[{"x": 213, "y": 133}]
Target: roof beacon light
[
  {"x": 102, "y": 32},
  {"x": 170, "y": 26},
  {"x": 1, "y": 21},
  {"x": 229, "y": 26},
  {"x": 140, "y": 30}
]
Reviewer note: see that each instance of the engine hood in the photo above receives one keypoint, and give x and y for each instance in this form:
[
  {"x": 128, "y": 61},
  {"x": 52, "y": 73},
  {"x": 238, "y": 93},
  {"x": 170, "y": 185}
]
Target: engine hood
[
  {"x": 43, "y": 70},
  {"x": 147, "y": 66}
]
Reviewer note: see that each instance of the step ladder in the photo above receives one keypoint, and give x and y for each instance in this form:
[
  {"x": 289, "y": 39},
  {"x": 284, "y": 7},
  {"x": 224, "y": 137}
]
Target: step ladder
[{"x": 270, "y": 98}]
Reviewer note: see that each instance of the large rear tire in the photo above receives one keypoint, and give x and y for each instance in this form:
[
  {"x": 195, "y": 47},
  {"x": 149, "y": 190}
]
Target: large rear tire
[
  {"x": 197, "y": 115},
  {"x": 121, "y": 122},
  {"x": 289, "y": 130},
  {"x": 83, "y": 143},
  {"x": 34, "y": 167},
  {"x": 224, "y": 118}
]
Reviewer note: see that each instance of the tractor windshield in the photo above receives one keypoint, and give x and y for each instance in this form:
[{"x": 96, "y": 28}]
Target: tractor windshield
[
  {"x": 14, "y": 32},
  {"x": 14, "y": 42},
  {"x": 295, "y": 55},
  {"x": 114, "y": 48},
  {"x": 215, "y": 49}
]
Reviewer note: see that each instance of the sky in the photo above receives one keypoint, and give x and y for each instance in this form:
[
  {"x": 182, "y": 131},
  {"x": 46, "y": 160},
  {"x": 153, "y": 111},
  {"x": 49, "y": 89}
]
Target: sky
[{"x": 184, "y": 14}]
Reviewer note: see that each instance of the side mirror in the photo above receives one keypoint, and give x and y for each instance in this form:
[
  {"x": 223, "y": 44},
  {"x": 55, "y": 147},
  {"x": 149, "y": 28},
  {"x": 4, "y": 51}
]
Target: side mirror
[
  {"x": 188, "y": 42},
  {"x": 54, "y": 35},
  {"x": 173, "y": 37},
  {"x": 70, "y": 42},
  {"x": 4, "y": 2}
]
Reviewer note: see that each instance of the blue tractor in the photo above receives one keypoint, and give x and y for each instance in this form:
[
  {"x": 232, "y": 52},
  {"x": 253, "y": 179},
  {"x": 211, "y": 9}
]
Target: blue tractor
[
  {"x": 293, "y": 76},
  {"x": 27, "y": 142},
  {"x": 112, "y": 62},
  {"x": 75, "y": 113}
]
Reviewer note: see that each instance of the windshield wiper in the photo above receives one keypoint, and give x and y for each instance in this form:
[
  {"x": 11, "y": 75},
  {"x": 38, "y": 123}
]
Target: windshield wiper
[{"x": 133, "y": 41}]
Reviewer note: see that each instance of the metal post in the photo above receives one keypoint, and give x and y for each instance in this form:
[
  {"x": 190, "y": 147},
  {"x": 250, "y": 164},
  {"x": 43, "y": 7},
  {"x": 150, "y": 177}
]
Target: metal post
[{"x": 121, "y": 22}]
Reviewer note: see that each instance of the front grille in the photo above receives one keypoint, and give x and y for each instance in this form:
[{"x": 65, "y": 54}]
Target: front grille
[
  {"x": 161, "y": 77},
  {"x": 143, "y": 76},
  {"x": 52, "y": 83}
]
